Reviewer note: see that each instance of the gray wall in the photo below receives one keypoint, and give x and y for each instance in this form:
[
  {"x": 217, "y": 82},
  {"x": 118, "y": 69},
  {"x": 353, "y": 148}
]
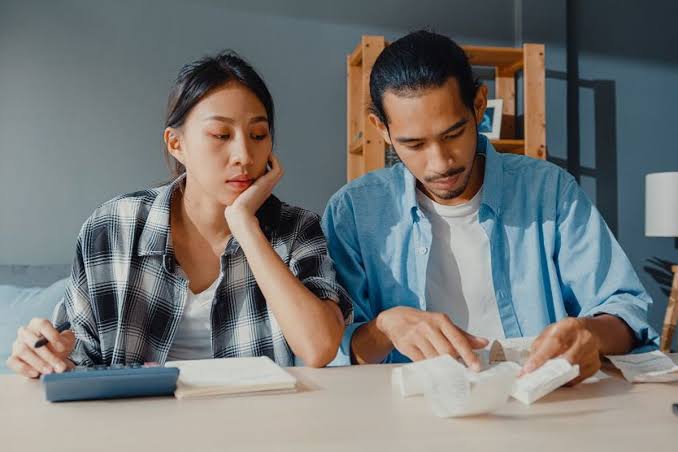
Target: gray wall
[
  {"x": 83, "y": 86},
  {"x": 628, "y": 74},
  {"x": 634, "y": 68}
]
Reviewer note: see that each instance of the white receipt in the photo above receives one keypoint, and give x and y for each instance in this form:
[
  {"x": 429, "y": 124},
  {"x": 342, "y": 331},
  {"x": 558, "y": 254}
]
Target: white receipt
[
  {"x": 651, "y": 367},
  {"x": 515, "y": 349},
  {"x": 452, "y": 390},
  {"x": 549, "y": 377}
]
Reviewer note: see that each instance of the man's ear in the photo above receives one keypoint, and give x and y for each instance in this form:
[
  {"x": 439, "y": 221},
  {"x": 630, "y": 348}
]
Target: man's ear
[
  {"x": 381, "y": 127},
  {"x": 480, "y": 103},
  {"x": 172, "y": 139}
]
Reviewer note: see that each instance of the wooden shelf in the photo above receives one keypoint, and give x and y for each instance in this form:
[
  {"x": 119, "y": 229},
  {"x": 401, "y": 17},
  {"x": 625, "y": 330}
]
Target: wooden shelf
[
  {"x": 504, "y": 57},
  {"x": 511, "y": 146},
  {"x": 507, "y": 145}
]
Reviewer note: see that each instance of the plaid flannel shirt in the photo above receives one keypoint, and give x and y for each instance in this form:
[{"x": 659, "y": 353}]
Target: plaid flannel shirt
[{"x": 126, "y": 296}]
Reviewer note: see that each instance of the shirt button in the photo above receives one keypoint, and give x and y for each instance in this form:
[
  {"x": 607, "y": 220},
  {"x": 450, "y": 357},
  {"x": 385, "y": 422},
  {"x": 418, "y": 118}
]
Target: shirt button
[{"x": 423, "y": 250}]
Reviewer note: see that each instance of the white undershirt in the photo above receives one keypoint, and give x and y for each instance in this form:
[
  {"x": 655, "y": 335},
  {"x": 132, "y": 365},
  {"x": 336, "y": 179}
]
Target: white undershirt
[
  {"x": 459, "y": 273},
  {"x": 193, "y": 339}
]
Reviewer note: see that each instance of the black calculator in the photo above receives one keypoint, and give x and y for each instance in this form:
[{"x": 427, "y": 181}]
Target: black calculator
[{"x": 110, "y": 382}]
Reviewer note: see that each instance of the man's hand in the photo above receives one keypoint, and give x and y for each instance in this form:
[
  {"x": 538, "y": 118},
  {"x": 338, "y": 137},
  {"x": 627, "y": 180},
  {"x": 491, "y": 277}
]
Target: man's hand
[
  {"x": 421, "y": 335},
  {"x": 573, "y": 340}
]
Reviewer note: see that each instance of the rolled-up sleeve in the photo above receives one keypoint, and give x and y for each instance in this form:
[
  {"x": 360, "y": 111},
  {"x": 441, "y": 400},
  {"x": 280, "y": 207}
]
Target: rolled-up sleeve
[
  {"x": 339, "y": 227},
  {"x": 596, "y": 276},
  {"x": 311, "y": 264},
  {"x": 77, "y": 309}
]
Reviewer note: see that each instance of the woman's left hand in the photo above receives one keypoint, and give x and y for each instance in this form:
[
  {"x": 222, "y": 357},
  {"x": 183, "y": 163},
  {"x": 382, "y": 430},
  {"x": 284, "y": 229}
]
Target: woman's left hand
[{"x": 243, "y": 210}]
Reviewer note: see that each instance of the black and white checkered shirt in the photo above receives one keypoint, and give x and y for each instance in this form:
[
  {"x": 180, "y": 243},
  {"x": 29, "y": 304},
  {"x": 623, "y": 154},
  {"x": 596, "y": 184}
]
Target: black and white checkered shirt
[{"x": 126, "y": 296}]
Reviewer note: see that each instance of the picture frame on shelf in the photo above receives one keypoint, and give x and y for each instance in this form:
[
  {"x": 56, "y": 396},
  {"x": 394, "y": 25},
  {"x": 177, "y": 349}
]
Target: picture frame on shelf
[{"x": 490, "y": 126}]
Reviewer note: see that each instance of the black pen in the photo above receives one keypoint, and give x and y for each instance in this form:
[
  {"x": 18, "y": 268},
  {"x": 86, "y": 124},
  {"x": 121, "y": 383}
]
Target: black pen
[{"x": 43, "y": 341}]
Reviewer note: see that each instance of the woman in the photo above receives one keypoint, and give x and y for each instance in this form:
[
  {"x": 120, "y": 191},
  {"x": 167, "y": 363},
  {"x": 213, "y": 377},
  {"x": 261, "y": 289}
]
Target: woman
[{"x": 210, "y": 265}]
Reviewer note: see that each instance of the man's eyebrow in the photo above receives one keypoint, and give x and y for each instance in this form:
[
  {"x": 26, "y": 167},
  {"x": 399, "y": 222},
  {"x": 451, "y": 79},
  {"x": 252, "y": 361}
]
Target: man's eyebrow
[{"x": 453, "y": 127}]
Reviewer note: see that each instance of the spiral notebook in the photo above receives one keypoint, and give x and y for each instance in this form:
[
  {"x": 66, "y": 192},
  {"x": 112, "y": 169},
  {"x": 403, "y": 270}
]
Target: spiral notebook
[{"x": 231, "y": 376}]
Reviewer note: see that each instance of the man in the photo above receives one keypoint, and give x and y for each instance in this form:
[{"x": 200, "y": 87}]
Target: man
[{"x": 458, "y": 243}]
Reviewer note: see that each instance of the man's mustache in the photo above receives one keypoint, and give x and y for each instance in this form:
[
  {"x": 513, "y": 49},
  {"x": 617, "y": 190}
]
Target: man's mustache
[{"x": 449, "y": 173}]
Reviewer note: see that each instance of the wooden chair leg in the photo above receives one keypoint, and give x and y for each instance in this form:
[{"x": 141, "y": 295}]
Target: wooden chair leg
[{"x": 671, "y": 317}]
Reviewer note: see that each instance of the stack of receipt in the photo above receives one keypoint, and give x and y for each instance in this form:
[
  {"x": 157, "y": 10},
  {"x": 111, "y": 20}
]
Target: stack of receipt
[
  {"x": 651, "y": 367},
  {"x": 453, "y": 390}
]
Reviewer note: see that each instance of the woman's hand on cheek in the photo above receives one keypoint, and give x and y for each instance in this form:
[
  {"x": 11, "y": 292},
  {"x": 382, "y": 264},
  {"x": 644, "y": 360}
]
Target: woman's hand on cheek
[{"x": 242, "y": 213}]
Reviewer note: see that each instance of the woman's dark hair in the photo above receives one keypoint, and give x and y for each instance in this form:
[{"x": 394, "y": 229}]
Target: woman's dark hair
[
  {"x": 417, "y": 61},
  {"x": 197, "y": 79}
]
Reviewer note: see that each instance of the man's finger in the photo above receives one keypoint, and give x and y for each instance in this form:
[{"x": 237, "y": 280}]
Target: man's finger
[
  {"x": 476, "y": 341},
  {"x": 585, "y": 371},
  {"x": 426, "y": 347},
  {"x": 442, "y": 344},
  {"x": 461, "y": 344},
  {"x": 546, "y": 350},
  {"x": 412, "y": 352}
]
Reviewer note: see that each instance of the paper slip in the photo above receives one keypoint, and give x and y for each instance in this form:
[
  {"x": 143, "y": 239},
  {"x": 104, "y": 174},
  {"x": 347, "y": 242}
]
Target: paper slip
[
  {"x": 539, "y": 383},
  {"x": 406, "y": 380},
  {"x": 597, "y": 377},
  {"x": 651, "y": 367},
  {"x": 437, "y": 377},
  {"x": 229, "y": 376},
  {"x": 543, "y": 381},
  {"x": 516, "y": 350},
  {"x": 452, "y": 390}
]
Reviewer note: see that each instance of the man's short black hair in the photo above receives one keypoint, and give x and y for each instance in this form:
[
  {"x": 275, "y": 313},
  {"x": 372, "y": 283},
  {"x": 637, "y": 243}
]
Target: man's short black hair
[{"x": 420, "y": 60}]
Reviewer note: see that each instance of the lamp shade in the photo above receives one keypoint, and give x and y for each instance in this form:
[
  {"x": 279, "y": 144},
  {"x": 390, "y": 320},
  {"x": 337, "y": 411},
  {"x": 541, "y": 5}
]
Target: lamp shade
[{"x": 661, "y": 204}]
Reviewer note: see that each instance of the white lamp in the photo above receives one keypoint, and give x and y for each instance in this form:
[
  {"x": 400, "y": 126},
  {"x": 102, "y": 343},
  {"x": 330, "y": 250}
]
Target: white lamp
[{"x": 661, "y": 220}]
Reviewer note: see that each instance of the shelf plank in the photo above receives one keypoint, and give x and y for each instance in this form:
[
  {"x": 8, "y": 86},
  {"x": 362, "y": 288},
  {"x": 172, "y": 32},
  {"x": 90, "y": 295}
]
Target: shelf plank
[
  {"x": 508, "y": 145},
  {"x": 495, "y": 56},
  {"x": 356, "y": 57},
  {"x": 504, "y": 145}
]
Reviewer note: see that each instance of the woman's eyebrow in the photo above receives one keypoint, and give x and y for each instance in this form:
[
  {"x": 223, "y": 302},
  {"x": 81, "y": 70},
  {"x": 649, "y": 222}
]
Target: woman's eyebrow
[
  {"x": 258, "y": 119},
  {"x": 220, "y": 118}
]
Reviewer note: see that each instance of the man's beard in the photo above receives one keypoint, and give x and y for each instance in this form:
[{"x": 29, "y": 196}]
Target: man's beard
[{"x": 451, "y": 194}]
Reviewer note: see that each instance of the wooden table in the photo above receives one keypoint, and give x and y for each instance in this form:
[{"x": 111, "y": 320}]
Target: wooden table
[{"x": 341, "y": 409}]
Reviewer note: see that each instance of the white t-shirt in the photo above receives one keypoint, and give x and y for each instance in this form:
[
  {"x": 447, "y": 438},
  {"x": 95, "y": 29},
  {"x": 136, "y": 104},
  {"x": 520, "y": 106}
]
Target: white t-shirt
[
  {"x": 193, "y": 339},
  {"x": 459, "y": 273}
]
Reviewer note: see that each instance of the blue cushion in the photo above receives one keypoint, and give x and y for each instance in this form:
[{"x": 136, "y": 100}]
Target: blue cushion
[{"x": 18, "y": 305}]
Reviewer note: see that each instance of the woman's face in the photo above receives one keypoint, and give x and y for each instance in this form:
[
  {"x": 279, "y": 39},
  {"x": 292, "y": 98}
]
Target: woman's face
[{"x": 224, "y": 143}]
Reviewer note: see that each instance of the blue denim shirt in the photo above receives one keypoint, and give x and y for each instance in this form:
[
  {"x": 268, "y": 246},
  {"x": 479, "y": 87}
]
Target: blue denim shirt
[{"x": 552, "y": 254}]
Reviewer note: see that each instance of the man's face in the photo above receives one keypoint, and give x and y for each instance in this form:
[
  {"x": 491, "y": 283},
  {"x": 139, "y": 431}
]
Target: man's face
[{"x": 434, "y": 134}]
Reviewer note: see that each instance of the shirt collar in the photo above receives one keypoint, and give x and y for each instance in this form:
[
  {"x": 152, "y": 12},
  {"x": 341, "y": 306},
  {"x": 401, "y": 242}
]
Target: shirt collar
[
  {"x": 493, "y": 179},
  {"x": 155, "y": 236}
]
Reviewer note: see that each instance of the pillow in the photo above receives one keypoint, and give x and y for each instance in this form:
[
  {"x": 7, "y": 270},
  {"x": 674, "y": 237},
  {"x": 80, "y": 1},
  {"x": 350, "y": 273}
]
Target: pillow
[{"x": 18, "y": 305}]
